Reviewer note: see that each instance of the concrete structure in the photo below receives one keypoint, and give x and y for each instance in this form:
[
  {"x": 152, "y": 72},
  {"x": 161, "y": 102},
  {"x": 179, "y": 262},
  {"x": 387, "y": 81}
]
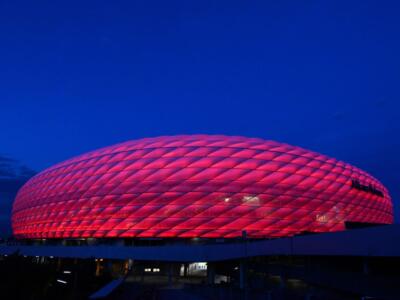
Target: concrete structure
[{"x": 378, "y": 241}]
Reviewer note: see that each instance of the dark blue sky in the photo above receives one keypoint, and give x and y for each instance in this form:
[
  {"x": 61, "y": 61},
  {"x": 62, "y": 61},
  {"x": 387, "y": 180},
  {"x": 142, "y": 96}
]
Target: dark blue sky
[{"x": 323, "y": 75}]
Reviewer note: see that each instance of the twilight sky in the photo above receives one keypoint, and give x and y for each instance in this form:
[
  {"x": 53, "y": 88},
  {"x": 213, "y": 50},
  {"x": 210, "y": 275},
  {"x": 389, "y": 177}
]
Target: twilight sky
[{"x": 323, "y": 75}]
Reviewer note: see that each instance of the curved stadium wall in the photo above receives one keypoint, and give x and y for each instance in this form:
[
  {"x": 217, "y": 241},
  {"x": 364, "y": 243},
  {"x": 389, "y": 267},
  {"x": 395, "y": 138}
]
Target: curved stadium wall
[{"x": 197, "y": 186}]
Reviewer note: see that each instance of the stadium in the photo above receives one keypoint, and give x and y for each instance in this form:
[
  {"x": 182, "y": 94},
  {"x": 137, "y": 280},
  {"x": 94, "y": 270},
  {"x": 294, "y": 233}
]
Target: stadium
[{"x": 198, "y": 186}]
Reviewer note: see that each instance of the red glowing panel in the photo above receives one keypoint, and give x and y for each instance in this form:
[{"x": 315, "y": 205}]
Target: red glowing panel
[{"x": 197, "y": 186}]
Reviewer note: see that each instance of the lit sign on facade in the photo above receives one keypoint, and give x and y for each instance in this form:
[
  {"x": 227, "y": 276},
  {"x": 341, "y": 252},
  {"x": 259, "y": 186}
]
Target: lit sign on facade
[{"x": 366, "y": 188}]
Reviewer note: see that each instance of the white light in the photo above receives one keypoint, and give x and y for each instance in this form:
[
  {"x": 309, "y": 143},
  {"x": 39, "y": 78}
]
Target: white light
[
  {"x": 67, "y": 272},
  {"x": 156, "y": 270},
  {"x": 321, "y": 218},
  {"x": 51, "y": 256},
  {"x": 251, "y": 200},
  {"x": 198, "y": 266},
  {"x": 61, "y": 281},
  {"x": 147, "y": 270},
  {"x": 227, "y": 199}
]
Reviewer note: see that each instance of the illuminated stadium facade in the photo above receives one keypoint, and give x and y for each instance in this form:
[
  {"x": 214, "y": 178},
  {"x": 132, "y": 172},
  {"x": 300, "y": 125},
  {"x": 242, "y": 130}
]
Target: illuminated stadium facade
[{"x": 197, "y": 186}]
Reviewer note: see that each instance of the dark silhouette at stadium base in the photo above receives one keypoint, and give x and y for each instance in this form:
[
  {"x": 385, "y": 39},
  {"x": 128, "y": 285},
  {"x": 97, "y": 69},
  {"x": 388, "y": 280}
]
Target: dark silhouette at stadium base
[{"x": 350, "y": 264}]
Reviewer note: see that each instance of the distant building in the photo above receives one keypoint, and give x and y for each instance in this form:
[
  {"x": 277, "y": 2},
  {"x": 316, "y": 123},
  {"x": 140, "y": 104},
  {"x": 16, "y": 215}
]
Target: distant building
[{"x": 198, "y": 186}]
